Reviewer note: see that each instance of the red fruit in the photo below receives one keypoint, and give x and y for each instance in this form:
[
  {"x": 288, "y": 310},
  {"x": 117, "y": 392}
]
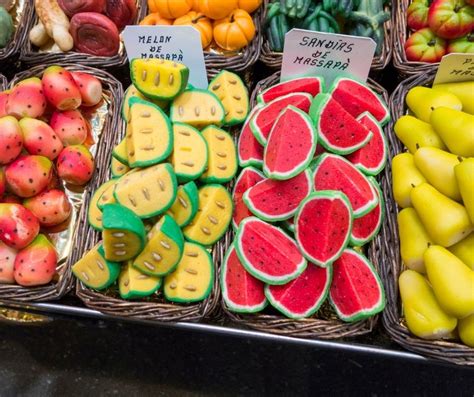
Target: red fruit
[
  {"x": 26, "y": 99},
  {"x": 18, "y": 226},
  {"x": 425, "y": 46},
  {"x": 450, "y": 19},
  {"x": 39, "y": 138},
  {"x": 69, "y": 126},
  {"x": 463, "y": 44},
  {"x": 71, "y": 7},
  {"x": 75, "y": 165},
  {"x": 28, "y": 175},
  {"x": 60, "y": 89},
  {"x": 11, "y": 139},
  {"x": 417, "y": 14},
  {"x": 7, "y": 260},
  {"x": 10, "y": 198},
  {"x": 90, "y": 88},
  {"x": 121, "y": 12},
  {"x": 51, "y": 207},
  {"x": 36, "y": 264},
  {"x": 3, "y": 103}
]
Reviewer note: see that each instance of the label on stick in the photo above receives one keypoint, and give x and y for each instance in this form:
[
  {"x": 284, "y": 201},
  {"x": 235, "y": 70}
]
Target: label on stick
[{"x": 454, "y": 68}]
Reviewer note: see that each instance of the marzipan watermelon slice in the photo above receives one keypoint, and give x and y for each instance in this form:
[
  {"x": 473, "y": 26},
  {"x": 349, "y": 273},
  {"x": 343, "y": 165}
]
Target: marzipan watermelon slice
[
  {"x": 242, "y": 293},
  {"x": 338, "y": 131},
  {"x": 290, "y": 146},
  {"x": 248, "y": 177},
  {"x": 262, "y": 123},
  {"x": 356, "y": 290},
  {"x": 357, "y": 98},
  {"x": 249, "y": 150},
  {"x": 371, "y": 158},
  {"x": 303, "y": 296},
  {"x": 333, "y": 172},
  {"x": 278, "y": 200},
  {"x": 310, "y": 85},
  {"x": 323, "y": 226},
  {"x": 268, "y": 253}
]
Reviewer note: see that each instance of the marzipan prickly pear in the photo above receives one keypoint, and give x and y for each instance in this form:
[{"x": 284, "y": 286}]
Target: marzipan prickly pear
[
  {"x": 28, "y": 175},
  {"x": 18, "y": 226}
]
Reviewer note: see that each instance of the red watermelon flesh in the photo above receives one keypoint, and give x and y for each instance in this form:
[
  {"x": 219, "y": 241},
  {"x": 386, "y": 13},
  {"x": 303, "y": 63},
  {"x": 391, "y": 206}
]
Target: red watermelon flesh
[
  {"x": 242, "y": 292},
  {"x": 310, "y": 85},
  {"x": 262, "y": 123},
  {"x": 333, "y": 172},
  {"x": 338, "y": 131},
  {"x": 248, "y": 177},
  {"x": 268, "y": 253},
  {"x": 273, "y": 200},
  {"x": 303, "y": 296},
  {"x": 357, "y": 98},
  {"x": 323, "y": 226},
  {"x": 356, "y": 291},
  {"x": 249, "y": 150},
  {"x": 294, "y": 133},
  {"x": 371, "y": 158}
]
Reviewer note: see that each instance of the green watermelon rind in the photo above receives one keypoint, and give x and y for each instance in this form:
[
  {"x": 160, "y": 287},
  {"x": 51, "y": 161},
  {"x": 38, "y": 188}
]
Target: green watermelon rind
[
  {"x": 258, "y": 274},
  {"x": 363, "y": 313},
  {"x": 371, "y": 204},
  {"x": 191, "y": 191},
  {"x": 253, "y": 162},
  {"x": 332, "y": 195},
  {"x": 289, "y": 226},
  {"x": 317, "y": 108},
  {"x": 339, "y": 79},
  {"x": 269, "y": 218},
  {"x": 309, "y": 312},
  {"x": 225, "y": 296},
  {"x": 357, "y": 242},
  {"x": 299, "y": 168},
  {"x": 260, "y": 96},
  {"x": 246, "y": 169}
]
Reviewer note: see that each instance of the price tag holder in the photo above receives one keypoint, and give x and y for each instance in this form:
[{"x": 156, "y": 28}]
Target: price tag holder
[
  {"x": 309, "y": 53},
  {"x": 175, "y": 43},
  {"x": 455, "y": 68}
]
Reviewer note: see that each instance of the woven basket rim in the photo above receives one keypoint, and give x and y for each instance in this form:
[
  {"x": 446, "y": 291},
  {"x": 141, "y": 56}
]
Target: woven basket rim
[
  {"x": 3, "y": 82},
  {"x": 274, "y": 59},
  {"x": 452, "y": 352},
  {"x": 54, "y": 291}
]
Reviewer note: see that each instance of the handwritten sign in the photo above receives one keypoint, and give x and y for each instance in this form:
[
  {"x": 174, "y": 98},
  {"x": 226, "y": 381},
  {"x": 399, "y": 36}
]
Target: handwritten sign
[
  {"x": 455, "y": 68},
  {"x": 309, "y": 53},
  {"x": 176, "y": 43}
]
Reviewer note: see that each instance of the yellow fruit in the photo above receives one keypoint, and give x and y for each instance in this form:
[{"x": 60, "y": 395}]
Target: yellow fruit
[
  {"x": 464, "y": 250},
  {"x": 465, "y": 178},
  {"x": 466, "y": 330},
  {"x": 463, "y": 90},
  {"x": 405, "y": 176},
  {"x": 415, "y": 134}
]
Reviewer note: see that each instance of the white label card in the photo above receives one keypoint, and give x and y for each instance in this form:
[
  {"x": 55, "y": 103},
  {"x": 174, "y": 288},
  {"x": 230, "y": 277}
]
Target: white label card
[
  {"x": 330, "y": 55},
  {"x": 455, "y": 68},
  {"x": 175, "y": 43}
]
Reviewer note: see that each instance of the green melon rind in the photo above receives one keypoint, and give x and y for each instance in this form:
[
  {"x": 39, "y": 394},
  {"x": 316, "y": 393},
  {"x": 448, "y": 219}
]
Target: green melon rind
[
  {"x": 93, "y": 203},
  {"x": 266, "y": 217},
  {"x": 289, "y": 226},
  {"x": 225, "y": 295},
  {"x": 304, "y": 164},
  {"x": 260, "y": 96},
  {"x": 168, "y": 149},
  {"x": 370, "y": 205},
  {"x": 356, "y": 242},
  {"x": 208, "y": 291},
  {"x": 364, "y": 313},
  {"x": 276, "y": 304},
  {"x": 254, "y": 272},
  {"x": 338, "y": 80},
  {"x": 117, "y": 156},
  {"x": 192, "y": 193},
  {"x": 317, "y": 108},
  {"x": 332, "y": 195},
  {"x": 141, "y": 294},
  {"x": 251, "y": 162}
]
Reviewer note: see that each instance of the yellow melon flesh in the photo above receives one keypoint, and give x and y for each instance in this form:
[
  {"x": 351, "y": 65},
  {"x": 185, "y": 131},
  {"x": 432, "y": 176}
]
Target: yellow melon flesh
[
  {"x": 134, "y": 284},
  {"x": 120, "y": 245},
  {"x": 94, "y": 213},
  {"x": 118, "y": 168},
  {"x": 133, "y": 92},
  {"x": 182, "y": 208},
  {"x": 107, "y": 196},
  {"x": 120, "y": 151}
]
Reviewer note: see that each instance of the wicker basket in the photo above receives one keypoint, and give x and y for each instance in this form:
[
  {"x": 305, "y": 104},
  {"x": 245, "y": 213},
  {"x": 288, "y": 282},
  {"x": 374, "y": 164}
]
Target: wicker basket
[
  {"x": 388, "y": 241},
  {"x": 64, "y": 282},
  {"x": 324, "y": 325},
  {"x": 31, "y": 56},
  {"x": 274, "y": 59},
  {"x": 3, "y": 82}
]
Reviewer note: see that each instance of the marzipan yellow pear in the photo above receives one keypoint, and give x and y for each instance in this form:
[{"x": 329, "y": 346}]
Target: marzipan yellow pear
[
  {"x": 423, "y": 100},
  {"x": 414, "y": 240},
  {"x": 424, "y": 316},
  {"x": 465, "y": 178},
  {"x": 405, "y": 176},
  {"x": 445, "y": 220},
  {"x": 415, "y": 133},
  {"x": 463, "y": 90},
  {"x": 437, "y": 166},
  {"x": 452, "y": 281},
  {"x": 456, "y": 129},
  {"x": 464, "y": 250},
  {"x": 466, "y": 330}
]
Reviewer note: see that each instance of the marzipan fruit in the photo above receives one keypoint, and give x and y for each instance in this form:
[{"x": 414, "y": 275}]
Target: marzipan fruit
[
  {"x": 464, "y": 250},
  {"x": 120, "y": 151},
  {"x": 466, "y": 330},
  {"x": 185, "y": 206},
  {"x": 117, "y": 168},
  {"x": 94, "y": 213},
  {"x": 405, "y": 176},
  {"x": 134, "y": 284},
  {"x": 463, "y": 90},
  {"x": 132, "y": 92},
  {"x": 415, "y": 134},
  {"x": 465, "y": 178}
]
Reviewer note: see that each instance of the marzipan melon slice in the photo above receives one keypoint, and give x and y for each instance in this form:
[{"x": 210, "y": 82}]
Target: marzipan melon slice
[
  {"x": 120, "y": 151},
  {"x": 234, "y": 96},
  {"x": 213, "y": 217},
  {"x": 222, "y": 163},
  {"x": 163, "y": 250},
  {"x": 95, "y": 271},
  {"x": 94, "y": 213},
  {"x": 159, "y": 78},
  {"x": 149, "y": 134},
  {"x": 118, "y": 168},
  {"x": 107, "y": 196},
  {"x": 185, "y": 206},
  {"x": 132, "y": 92},
  {"x": 189, "y": 158},
  {"x": 134, "y": 284},
  {"x": 147, "y": 192},
  {"x": 198, "y": 108},
  {"x": 193, "y": 278}
]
